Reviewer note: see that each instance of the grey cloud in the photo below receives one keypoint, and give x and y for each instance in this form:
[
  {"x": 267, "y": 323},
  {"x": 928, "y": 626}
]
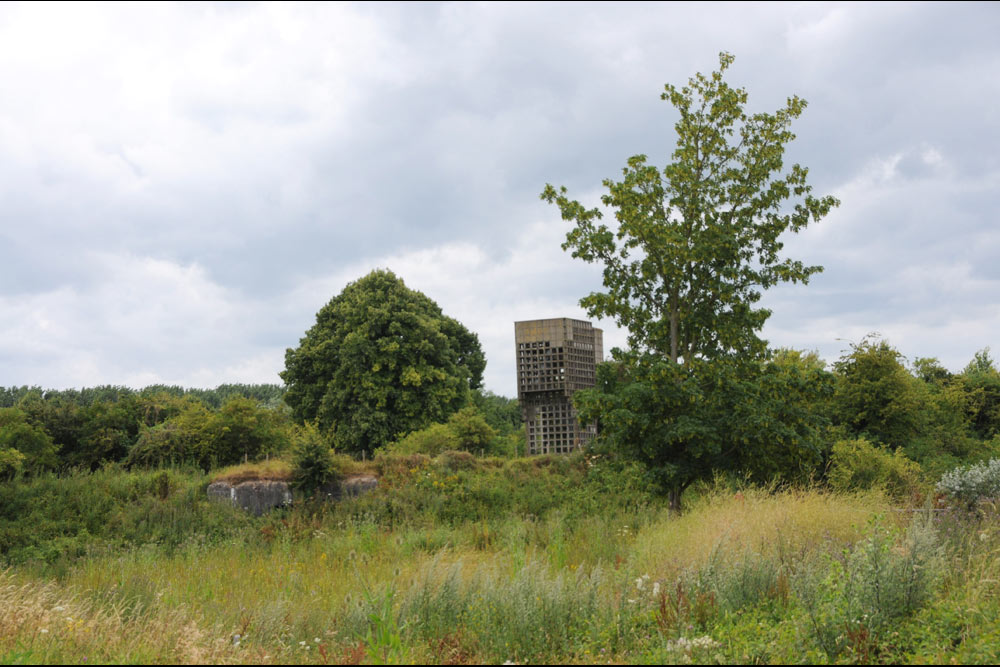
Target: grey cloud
[{"x": 274, "y": 147}]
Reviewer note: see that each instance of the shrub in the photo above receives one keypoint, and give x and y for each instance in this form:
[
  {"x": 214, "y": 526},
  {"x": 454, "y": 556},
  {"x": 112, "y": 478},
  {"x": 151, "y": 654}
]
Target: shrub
[
  {"x": 313, "y": 464},
  {"x": 243, "y": 430},
  {"x": 473, "y": 433},
  {"x": 11, "y": 462},
  {"x": 431, "y": 441},
  {"x": 454, "y": 461},
  {"x": 33, "y": 443},
  {"x": 857, "y": 464},
  {"x": 882, "y": 581},
  {"x": 970, "y": 484},
  {"x": 466, "y": 430}
]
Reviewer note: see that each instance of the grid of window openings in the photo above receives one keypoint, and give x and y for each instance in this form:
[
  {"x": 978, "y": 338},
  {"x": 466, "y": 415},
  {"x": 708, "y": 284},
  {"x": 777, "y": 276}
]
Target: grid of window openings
[{"x": 555, "y": 358}]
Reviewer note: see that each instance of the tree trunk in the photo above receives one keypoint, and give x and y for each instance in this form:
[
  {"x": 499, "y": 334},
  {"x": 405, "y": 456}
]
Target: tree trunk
[
  {"x": 674, "y": 325},
  {"x": 675, "y": 499}
]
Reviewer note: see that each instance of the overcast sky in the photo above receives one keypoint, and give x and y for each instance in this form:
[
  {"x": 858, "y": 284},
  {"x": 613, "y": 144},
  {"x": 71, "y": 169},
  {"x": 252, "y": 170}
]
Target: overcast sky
[{"x": 182, "y": 187}]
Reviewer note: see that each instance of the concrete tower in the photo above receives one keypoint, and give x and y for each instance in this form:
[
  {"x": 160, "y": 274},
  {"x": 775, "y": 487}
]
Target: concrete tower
[{"x": 555, "y": 358}]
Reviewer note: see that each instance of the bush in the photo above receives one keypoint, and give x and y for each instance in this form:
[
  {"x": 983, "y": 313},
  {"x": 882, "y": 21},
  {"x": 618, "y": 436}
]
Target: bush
[
  {"x": 883, "y": 580},
  {"x": 431, "y": 441},
  {"x": 313, "y": 464},
  {"x": 51, "y": 518},
  {"x": 969, "y": 484},
  {"x": 36, "y": 447},
  {"x": 466, "y": 430},
  {"x": 858, "y": 465},
  {"x": 183, "y": 438},
  {"x": 11, "y": 462}
]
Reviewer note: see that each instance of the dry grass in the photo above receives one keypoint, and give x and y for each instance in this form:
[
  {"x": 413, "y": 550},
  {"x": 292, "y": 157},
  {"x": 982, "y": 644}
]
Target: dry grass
[
  {"x": 274, "y": 469},
  {"x": 783, "y": 525},
  {"x": 44, "y": 623}
]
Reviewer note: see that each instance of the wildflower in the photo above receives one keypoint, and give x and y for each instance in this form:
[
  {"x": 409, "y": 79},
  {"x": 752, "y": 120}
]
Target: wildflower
[
  {"x": 44, "y": 631},
  {"x": 316, "y": 639},
  {"x": 656, "y": 589}
]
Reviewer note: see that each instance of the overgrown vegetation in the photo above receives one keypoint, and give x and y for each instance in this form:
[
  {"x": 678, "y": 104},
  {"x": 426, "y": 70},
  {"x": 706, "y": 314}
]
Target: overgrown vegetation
[{"x": 746, "y": 575}]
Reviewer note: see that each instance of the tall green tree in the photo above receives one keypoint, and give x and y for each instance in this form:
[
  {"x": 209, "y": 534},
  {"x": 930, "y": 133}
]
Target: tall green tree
[
  {"x": 694, "y": 246},
  {"x": 382, "y": 360},
  {"x": 697, "y": 241}
]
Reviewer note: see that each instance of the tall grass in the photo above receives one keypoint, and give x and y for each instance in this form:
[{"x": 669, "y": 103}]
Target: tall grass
[{"x": 758, "y": 576}]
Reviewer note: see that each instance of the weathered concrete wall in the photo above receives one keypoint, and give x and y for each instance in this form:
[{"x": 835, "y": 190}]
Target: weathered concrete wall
[
  {"x": 349, "y": 487},
  {"x": 256, "y": 497},
  {"x": 262, "y": 496}
]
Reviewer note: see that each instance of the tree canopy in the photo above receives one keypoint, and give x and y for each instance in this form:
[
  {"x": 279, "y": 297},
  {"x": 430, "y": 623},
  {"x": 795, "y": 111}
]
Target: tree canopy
[
  {"x": 698, "y": 241},
  {"x": 695, "y": 245},
  {"x": 382, "y": 360}
]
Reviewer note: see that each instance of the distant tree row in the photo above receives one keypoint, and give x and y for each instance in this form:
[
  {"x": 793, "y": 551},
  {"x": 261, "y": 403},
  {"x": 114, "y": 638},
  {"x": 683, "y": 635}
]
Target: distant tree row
[
  {"x": 267, "y": 394},
  {"x": 57, "y": 430}
]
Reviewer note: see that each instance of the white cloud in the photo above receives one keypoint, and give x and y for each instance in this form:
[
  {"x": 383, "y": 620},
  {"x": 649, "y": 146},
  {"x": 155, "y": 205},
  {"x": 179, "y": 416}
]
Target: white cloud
[{"x": 182, "y": 186}]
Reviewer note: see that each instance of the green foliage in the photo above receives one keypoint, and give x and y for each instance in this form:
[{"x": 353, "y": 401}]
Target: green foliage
[
  {"x": 877, "y": 397},
  {"x": 313, "y": 463},
  {"x": 685, "y": 423},
  {"x": 52, "y": 519},
  {"x": 532, "y": 617},
  {"x": 930, "y": 370},
  {"x": 183, "y": 437},
  {"x": 695, "y": 246},
  {"x": 857, "y": 464},
  {"x": 381, "y": 361},
  {"x": 431, "y": 441},
  {"x": 501, "y": 413},
  {"x": 981, "y": 380},
  {"x": 456, "y": 487},
  {"x": 242, "y": 430},
  {"x": 37, "y": 450},
  {"x": 697, "y": 241},
  {"x": 94, "y": 425},
  {"x": 191, "y": 433},
  {"x": 857, "y": 602},
  {"x": 467, "y": 430},
  {"x": 472, "y": 431},
  {"x": 11, "y": 462}
]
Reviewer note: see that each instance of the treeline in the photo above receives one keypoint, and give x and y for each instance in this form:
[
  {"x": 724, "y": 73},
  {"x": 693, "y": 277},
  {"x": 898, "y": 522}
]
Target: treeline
[
  {"x": 168, "y": 425},
  {"x": 870, "y": 419},
  {"x": 935, "y": 418},
  {"x": 270, "y": 395}
]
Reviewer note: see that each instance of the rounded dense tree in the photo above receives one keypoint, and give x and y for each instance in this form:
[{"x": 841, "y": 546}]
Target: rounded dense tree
[{"x": 382, "y": 360}]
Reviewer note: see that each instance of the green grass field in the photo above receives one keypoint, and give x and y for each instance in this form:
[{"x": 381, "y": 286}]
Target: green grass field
[{"x": 550, "y": 561}]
